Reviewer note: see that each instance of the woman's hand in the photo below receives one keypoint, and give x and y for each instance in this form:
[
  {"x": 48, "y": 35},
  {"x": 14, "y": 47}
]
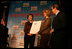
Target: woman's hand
[
  {"x": 43, "y": 21},
  {"x": 36, "y": 33},
  {"x": 29, "y": 34},
  {"x": 8, "y": 39}
]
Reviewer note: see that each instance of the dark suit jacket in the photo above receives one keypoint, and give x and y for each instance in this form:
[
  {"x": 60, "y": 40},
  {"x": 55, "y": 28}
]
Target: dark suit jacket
[
  {"x": 59, "y": 22},
  {"x": 59, "y": 35},
  {"x": 3, "y": 33},
  {"x": 27, "y": 27},
  {"x": 45, "y": 27}
]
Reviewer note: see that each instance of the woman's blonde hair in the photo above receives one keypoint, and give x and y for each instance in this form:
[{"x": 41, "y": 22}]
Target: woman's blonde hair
[{"x": 47, "y": 11}]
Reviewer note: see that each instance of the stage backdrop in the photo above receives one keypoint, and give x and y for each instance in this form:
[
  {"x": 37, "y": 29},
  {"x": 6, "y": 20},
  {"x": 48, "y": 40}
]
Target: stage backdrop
[{"x": 17, "y": 17}]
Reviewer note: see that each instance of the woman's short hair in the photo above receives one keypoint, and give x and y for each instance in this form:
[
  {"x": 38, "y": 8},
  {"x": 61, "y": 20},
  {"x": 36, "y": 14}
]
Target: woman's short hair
[
  {"x": 47, "y": 11},
  {"x": 31, "y": 15}
]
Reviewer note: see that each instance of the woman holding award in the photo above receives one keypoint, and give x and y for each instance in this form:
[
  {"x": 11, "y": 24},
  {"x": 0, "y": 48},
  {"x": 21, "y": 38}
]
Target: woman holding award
[
  {"x": 45, "y": 29},
  {"x": 29, "y": 38}
]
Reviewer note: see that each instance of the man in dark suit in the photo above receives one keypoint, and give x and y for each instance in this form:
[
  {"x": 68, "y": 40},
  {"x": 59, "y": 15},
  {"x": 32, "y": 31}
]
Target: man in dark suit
[
  {"x": 3, "y": 35},
  {"x": 58, "y": 39},
  {"x": 0, "y": 29}
]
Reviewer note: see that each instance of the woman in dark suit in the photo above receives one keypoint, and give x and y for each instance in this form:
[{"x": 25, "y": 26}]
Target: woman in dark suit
[
  {"x": 45, "y": 29},
  {"x": 29, "y": 38}
]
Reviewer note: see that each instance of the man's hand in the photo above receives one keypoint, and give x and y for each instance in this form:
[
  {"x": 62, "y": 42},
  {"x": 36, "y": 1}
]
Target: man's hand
[{"x": 52, "y": 30}]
